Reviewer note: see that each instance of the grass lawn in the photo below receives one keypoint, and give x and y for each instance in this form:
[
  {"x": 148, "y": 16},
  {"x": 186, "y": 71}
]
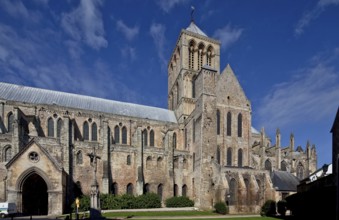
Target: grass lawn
[{"x": 178, "y": 214}]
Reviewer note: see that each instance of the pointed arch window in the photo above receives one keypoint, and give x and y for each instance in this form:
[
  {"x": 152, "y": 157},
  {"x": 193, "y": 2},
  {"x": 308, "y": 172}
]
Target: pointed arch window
[
  {"x": 148, "y": 162},
  {"x": 50, "y": 127},
  {"x": 159, "y": 162},
  {"x": 184, "y": 190},
  {"x": 240, "y": 155},
  {"x": 233, "y": 196},
  {"x": 174, "y": 140},
  {"x": 10, "y": 120},
  {"x": 146, "y": 188},
  {"x": 151, "y": 138},
  {"x": 115, "y": 189},
  {"x": 124, "y": 135},
  {"x": 175, "y": 190},
  {"x": 8, "y": 154},
  {"x": 94, "y": 132},
  {"x": 129, "y": 189},
  {"x": 229, "y": 156},
  {"x": 117, "y": 134},
  {"x": 229, "y": 124},
  {"x": 86, "y": 131},
  {"x": 160, "y": 189},
  {"x": 240, "y": 125},
  {"x": 144, "y": 137},
  {"x": 300, "y": 171},
  {"x": 218, "y": 155},
  {"x": 79, "y": 157},
  {"x": 268, "y": 165},
  {"x": 218, "y": 122},
  {"x": 283, "y": 165},
  {"x": 59, "y": 126},
  {"x": 128, "y": 159}
]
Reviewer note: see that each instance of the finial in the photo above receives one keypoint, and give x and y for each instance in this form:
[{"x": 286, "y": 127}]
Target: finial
[{"x": 192, "y": 11}]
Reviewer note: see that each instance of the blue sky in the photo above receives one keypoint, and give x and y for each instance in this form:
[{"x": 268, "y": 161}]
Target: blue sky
[{"x": 285, "y": 54}]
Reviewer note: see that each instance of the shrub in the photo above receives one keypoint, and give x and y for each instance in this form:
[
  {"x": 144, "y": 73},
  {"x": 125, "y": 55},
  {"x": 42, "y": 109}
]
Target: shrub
[
  {"x": 148, "y": 200},
  {"x": 269, "y": 208},
  {"x": 221, "y": 208},
  {"x": 110, "y": 201},
  {"x": 282, "y": 207},
  {"x": 180, "y": 201}
]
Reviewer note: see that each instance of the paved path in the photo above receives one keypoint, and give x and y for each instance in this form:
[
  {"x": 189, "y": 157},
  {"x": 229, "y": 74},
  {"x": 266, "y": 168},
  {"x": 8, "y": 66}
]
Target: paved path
[{"x": 144, "y": 217}]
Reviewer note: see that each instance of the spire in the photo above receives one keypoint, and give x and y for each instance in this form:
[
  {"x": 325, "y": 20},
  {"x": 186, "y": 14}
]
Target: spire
[{"x": 192, "y": 11}]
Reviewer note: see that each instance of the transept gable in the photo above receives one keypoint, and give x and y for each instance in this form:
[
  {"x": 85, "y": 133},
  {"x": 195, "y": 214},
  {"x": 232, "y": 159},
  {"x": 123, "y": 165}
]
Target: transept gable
[
  {"x": 229, "y": 90},
  {"x": 34, "y": 155}
]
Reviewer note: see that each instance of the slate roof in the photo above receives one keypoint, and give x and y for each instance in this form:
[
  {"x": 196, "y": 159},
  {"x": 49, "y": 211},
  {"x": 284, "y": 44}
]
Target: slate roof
[
  {"x": 195, "y": 29},
  {"x": 37, "y": 96},
  {"x": 284, "y": 181}
]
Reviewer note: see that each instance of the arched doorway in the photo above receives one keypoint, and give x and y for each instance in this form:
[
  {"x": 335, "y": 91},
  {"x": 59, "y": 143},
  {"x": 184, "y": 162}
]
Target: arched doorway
[{"x": 34, "y": 196}]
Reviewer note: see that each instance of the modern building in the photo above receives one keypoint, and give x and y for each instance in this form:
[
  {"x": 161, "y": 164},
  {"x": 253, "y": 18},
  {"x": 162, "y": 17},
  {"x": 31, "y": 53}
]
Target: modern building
[
  {"x": 318, "y": 194},
  {"x": 203, "y": 146}
]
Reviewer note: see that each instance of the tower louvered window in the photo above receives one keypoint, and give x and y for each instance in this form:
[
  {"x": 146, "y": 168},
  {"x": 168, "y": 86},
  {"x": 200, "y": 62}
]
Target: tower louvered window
[
  {"x": 209, "y": 56},
  {"x": 191, "y": 56},
  {"x": 200, "y": 56}
]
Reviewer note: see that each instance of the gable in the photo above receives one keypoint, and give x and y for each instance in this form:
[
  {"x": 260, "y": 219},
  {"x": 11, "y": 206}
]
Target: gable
[
  {"x": 33, "y": 155},
  {"x": 229, "y": 91}
]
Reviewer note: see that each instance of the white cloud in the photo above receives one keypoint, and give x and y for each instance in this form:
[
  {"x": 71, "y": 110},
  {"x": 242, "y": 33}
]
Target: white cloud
[
  {"x": 85, "y": 24},
  {"x": 157, "y": 32},
  {"x": 167, "y": 5},
  {"x": 313, "y": 14},
  {"x": 227, "y": 35},
  {"x": 18, "y": 10},
  {"x": 312, "y": 93},
  {"x": 129, "y": 53},
  {"x": 130, "y": 33}
]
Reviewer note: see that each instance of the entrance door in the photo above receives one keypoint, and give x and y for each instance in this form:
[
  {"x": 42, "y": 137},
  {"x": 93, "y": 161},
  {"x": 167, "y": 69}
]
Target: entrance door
[{"x": 34, "y": 196}]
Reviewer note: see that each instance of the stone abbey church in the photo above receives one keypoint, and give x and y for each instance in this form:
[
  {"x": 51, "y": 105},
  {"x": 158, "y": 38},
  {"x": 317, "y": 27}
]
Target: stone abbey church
[{"x": 203, "y": 146}]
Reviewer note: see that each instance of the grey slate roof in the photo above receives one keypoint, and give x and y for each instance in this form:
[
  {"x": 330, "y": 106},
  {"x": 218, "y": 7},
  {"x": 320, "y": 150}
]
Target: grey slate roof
[
  {"x": 284, "y": 181},
  {"x": 195, "y": 29},
  {"x": 42, "y": 96}
]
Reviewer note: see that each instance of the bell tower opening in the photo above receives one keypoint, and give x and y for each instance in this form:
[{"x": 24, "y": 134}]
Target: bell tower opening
[{"x": 34, "y": 196}]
